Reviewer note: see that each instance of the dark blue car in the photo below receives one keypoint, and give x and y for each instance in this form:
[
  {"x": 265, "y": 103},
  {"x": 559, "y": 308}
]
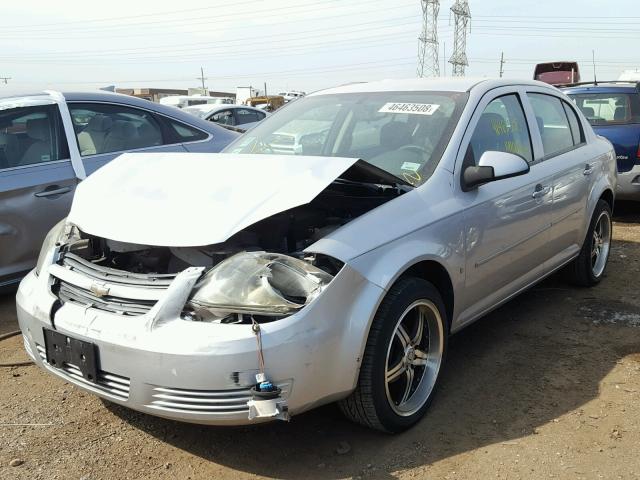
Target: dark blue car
[{"x": 613, "y": 109}]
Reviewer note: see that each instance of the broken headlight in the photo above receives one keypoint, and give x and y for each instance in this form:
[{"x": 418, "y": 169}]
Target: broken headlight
[
  {"x": 259, "y": 283},
  {"x": 54, "y": 236}
]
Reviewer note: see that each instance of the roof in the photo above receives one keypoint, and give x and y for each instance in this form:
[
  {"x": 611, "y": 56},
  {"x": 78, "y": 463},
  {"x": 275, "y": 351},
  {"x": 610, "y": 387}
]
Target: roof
[
  {"x": 441, "y": 84},
  {"x": 603, "y": 87},
  {"x": 209, "y": 107},
  {"x": 101, "y": 96}
]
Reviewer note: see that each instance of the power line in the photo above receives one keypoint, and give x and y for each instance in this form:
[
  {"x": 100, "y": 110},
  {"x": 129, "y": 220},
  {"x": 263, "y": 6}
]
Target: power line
[
  {"x": 287, "y": 37},
  {"x": 200, "y": 20}
]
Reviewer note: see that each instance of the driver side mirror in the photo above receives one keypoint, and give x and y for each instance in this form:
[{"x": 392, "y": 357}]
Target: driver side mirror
[{"x": 493, "y": 166}]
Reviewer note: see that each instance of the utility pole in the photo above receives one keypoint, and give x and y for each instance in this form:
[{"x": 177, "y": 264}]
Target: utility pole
[
  {"x": 593, "y": 59},
  {"x": 5, "y": 79},
  {"x": 502, "y": 64},
  {"x": 202, "y": 78},
  {"x": 428, "y": 63},
  {"x": 462, "y": 17}
]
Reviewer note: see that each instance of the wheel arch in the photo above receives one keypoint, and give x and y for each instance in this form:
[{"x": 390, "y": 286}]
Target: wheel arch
[{"x": 436, "y": 274}]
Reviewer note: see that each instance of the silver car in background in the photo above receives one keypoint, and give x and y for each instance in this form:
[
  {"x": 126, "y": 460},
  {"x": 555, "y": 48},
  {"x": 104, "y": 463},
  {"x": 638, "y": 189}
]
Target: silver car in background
[
  {"x": 263, "y": 284},
  {"x": 241, "y": 117},
  {"x": 49, "y": 141}
]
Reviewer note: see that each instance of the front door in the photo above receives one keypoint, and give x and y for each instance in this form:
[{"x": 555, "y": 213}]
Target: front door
[{"x": 506, "y": 221}]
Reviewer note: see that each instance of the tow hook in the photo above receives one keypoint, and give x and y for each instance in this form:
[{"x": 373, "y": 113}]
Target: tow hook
[{"x": 266, "y": 401}]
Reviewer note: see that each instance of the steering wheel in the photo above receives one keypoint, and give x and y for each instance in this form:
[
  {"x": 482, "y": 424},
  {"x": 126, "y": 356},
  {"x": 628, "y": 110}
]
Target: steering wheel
[{"x": 415, "y": 148}]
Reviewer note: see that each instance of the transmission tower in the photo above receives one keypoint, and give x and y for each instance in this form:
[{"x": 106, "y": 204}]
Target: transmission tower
[
  {"x": 462, "y": 16},
  {"x": 428, "y": 64}
]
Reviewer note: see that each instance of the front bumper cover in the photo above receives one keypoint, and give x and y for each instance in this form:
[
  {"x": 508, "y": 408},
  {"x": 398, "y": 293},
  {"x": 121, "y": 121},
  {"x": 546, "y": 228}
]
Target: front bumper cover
[{"x": 202, "y": 372}]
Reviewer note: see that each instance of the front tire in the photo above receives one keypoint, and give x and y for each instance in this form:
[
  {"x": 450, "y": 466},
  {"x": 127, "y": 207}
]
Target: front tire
[
  {"x": 588, "y": 269},
  {"x": 402, "y": 360}
]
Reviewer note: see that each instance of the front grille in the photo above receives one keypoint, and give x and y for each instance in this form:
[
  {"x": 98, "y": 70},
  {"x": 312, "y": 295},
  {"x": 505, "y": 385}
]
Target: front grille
[
  {"x": 115, "y": 385},
  {"x": 68, "y": 292},
  {"x": 211, "y": 402}
]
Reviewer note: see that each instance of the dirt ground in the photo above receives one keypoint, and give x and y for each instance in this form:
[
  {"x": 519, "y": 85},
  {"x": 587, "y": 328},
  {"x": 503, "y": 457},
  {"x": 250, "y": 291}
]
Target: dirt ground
[{"x": 548, "y": 386}]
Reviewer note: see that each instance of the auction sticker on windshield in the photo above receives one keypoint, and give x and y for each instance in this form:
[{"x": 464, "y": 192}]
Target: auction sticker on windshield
[{"x": 415, "y": 108}]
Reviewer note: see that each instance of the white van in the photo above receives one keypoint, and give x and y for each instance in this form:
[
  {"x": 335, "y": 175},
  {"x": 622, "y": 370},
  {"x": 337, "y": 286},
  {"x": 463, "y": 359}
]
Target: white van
[{"x": 182, "y": 101}]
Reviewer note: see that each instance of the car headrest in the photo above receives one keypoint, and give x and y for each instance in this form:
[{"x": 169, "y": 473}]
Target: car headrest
[
  {"x": 395, "y": 134},
  {"x": 99, "y": 123},
  {"x": 620, "y": 113},
  {"x": 588, "y": 112},
  {"x": 123, "y": 129},
  {"x": 38, "y": 129},
  {"x": 540, "y": 123}
]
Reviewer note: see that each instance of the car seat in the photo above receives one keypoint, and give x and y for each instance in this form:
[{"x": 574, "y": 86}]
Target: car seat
[
  {"x": 39, "y": 132},
  {"x": 620, "y": 114},
  {"x": 588, "y": 112},
  {"x": 394, "y": 135},
  {"x": 91, "y": 139},
  {"x": 9, "y": 150},
  {"x": 122, "y": 136},
  {"x": 148, "y": 136}
]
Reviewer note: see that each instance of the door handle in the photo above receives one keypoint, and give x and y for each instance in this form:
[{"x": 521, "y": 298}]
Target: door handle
[
  {"x": 541, "y": 191},
  {"x": 55, "y": 190},
  {"x": 588, "y": 169}
]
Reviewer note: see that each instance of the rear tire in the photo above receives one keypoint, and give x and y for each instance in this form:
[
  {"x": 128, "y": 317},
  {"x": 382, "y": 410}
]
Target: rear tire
[
  {"x": 403, "y": 357},
  {"x": 588, "y": 269}
]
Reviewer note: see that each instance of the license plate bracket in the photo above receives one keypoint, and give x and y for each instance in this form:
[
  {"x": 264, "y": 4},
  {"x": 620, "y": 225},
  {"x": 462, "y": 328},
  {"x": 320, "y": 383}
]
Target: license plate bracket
[{"x": 62, "y": 349}]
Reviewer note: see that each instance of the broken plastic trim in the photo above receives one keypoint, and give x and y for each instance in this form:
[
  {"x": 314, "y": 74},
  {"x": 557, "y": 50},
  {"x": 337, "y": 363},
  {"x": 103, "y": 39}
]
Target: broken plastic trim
[{"x": 259, "y": 283}]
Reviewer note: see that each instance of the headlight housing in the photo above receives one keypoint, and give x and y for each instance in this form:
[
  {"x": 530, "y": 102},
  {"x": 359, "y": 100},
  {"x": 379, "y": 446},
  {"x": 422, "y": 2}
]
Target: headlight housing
[
  {"x": 259, "y": 283},
  {"x": 54, "y": 236}
]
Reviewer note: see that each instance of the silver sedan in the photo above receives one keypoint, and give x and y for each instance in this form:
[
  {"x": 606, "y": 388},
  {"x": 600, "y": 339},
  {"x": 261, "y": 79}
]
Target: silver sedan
[
  {"x": 49, "y": 141},
  {"x": 262, "y": 284}
]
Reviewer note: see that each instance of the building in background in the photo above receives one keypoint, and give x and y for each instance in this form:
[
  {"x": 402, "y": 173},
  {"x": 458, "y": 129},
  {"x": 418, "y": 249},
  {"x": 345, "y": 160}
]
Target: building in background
[{"x": 155, "y": 94}]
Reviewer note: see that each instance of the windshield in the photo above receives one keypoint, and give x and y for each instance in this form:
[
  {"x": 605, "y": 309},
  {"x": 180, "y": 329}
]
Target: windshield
[
  {"x": 403, "y": 133},
  {"x": 608, "y": 108}
]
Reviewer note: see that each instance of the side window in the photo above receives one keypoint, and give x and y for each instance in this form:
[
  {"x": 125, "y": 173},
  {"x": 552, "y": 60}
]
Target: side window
[
  {"x": 503, "y": 128},
  {"x": 244, "y": 115},
  {"x": 31, "y": 135},
  {"x": 574, "y": 124},
  {"x": 105, "y": 128},
  {"x": 186, "y": 133},
  {"x": 224, "y": 117},
  {"x": 552, "y": 123}
]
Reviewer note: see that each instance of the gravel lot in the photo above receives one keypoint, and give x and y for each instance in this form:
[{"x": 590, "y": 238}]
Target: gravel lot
[{"x": 548, "y": 386}]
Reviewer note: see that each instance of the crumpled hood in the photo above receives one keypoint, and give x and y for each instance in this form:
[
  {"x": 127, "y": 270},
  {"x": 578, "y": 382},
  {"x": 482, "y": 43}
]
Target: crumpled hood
[{"x": 194, "y": 199}]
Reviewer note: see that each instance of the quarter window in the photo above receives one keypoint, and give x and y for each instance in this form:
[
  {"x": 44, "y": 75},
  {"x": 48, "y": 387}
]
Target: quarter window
[
  {"x": 574, "y": 124},
  {"x": 105, "y": 128},
  {"x": 31, "y": 135},
  {"x": 187, "y": 133},
  {"x": 503, "y": 128},
  {"x": 223, "y": 118},
  {"x": 552, "y": 122},
  {"x": 244, "y": 115}
]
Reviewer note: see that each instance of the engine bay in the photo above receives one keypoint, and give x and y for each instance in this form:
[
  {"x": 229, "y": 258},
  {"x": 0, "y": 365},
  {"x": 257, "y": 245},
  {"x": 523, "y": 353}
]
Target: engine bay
[{"x": 288, "y": 232}]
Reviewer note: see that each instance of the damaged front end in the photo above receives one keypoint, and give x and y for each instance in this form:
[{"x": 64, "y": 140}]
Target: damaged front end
[{"x": 259, "y": 275}]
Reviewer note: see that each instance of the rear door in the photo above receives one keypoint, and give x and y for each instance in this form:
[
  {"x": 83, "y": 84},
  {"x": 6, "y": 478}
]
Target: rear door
[
  {"x": 105, "y": 130},
  {"x": 565, "y": 149},
  {"x": 37, "y": 181}
]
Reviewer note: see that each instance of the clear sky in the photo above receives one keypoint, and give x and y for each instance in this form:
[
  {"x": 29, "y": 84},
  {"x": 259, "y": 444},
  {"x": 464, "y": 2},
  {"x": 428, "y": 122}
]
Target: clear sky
[{"x": 295, "y": 44}]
